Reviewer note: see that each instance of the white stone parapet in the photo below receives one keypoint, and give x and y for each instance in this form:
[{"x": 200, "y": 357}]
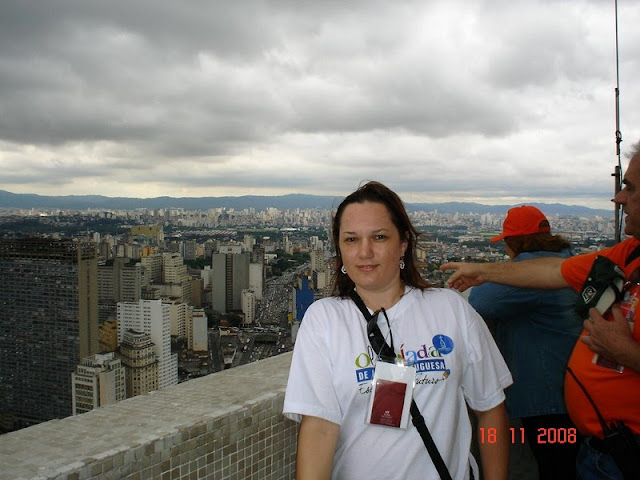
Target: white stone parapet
[{"x": 227, "y": 425}]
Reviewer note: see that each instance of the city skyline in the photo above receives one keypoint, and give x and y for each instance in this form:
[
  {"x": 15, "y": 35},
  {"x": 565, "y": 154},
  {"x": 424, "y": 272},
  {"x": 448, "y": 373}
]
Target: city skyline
[{"x": 487, "y": 102}]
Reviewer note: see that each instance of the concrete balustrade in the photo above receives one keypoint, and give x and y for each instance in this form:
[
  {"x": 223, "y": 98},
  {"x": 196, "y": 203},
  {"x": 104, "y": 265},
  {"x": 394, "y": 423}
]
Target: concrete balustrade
[{"x": 227, "y": 425}]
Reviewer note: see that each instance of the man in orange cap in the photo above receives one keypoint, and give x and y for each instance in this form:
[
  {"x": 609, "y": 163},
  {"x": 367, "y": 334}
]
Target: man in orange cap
[
  {"x": 536, "y": 331},
  {"x": 612, "y": 386}
]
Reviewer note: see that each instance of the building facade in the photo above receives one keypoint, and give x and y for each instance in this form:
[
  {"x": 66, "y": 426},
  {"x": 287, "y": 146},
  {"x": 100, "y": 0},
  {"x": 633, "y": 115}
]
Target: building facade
[
  {"x": 154, "y": 318},
  {"x": 99, "y": 380},
  {"x": 48, "y": 323},
  {"x": 139, "y": 359},
  {"x": 230, "y": 276}
]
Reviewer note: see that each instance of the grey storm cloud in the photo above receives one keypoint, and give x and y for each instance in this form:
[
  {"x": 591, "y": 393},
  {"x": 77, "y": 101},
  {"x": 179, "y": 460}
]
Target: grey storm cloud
[{"x": 485, "y": 99}]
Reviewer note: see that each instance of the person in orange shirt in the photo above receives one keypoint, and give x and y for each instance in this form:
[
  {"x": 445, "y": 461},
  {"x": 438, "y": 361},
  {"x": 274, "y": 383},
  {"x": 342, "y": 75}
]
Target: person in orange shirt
[{"x": 606, "y": 360}]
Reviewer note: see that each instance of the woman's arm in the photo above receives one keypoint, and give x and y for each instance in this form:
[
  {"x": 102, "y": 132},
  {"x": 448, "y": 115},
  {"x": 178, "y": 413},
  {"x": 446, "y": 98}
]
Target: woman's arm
[
  {"x": 493, "y": 427},
  {"x": 317, "y": 440}
]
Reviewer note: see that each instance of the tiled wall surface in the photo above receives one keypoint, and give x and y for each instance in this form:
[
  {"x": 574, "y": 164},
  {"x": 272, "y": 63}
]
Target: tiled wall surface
[{"x": 227, "y": 425}]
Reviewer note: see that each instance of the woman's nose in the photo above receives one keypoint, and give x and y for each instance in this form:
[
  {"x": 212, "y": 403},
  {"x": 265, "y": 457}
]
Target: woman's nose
[{"x": 365, "y": 249}]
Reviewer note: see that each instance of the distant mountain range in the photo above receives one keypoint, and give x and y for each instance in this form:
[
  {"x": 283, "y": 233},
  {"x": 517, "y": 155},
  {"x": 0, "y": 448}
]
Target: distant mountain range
[{"x": 83, "y": 202}]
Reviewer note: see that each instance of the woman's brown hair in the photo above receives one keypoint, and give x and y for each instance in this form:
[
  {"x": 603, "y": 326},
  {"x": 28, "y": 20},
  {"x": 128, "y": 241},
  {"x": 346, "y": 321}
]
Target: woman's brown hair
[{"x": 537, "y": 242}]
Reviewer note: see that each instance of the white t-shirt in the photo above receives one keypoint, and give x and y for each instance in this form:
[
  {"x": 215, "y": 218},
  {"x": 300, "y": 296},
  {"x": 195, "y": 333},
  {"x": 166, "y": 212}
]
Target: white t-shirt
[{"x": 455, "y": 358}]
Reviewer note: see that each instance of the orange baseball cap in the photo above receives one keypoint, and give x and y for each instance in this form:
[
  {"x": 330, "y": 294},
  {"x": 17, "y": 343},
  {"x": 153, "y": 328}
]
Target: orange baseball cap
[{"x": 523, "y": 220}]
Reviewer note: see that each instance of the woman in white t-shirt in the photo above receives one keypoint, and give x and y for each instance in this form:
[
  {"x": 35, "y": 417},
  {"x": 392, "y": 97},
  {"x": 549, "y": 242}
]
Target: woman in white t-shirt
[{"x": 436, "y": 336}]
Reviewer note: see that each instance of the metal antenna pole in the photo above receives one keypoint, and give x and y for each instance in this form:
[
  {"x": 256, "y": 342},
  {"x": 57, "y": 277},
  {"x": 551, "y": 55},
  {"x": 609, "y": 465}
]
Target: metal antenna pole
[{"x": 618, "y": 169}]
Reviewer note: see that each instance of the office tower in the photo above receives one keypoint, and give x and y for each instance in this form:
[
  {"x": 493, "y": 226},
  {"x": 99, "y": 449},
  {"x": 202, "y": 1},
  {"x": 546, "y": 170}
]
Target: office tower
[
  {"x": 257, "y": 278},
  {"x": 108, "y": 336},
  {"x": 132, "y": 251},
  {"x": 141, "y": 364},
  {"x": 210, "y": 246},
  {"x": 287, "y": 245},
  {"x": 230, "y": 277},
  {"x": 249, "y": 302},
  {"x": 153, "y": 268},
  {"x": 106, "y": 293},
  {"x": 99, "y": 380},
  {"x": 206, "y": 274},
  {"x": 198, "y": 331},
  {"x": 106, "y": 247},
  {"x": 48, "y": 322},
  {"x": 302, "y": 298},
  {"x": 189, "y": 249},
  {"x": 178, "y": 315},
  {"x": 318, "y": 262},
  {"x": 249, "y": 242},
  {"x": 118, "y": 281},
  {"x": 197, "y": 291},
  {"x": 152, "y": 317},
  {"x": 175, "y": 274},
  {"x": 257, "y": 254},
  {"x": 129, "y": 281}
]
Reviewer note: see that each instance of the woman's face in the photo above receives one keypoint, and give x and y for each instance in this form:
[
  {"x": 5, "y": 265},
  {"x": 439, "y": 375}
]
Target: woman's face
[{"x": 370, "y": 247}]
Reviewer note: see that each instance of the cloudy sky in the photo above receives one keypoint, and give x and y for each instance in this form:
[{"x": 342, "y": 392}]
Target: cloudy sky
[{"x": 494, "y": 101}]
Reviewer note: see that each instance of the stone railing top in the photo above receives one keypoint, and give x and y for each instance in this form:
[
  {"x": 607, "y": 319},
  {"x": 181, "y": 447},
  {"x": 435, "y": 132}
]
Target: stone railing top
[{"x": 64, "y": 444}]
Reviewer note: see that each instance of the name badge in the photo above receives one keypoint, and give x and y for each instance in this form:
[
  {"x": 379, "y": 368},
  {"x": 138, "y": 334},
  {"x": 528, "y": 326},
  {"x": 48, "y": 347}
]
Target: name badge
[{"x": 392, "y": 391}]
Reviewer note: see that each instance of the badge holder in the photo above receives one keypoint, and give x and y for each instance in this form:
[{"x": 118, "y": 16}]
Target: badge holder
[{"x": 390, "y": 401}]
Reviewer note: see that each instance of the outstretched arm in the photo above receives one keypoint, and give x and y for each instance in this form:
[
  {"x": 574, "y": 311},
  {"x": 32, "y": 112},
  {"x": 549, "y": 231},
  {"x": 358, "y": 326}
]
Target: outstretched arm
[
  {"x": 537, "y": 273},
  {"x": 317, "y": 440}
]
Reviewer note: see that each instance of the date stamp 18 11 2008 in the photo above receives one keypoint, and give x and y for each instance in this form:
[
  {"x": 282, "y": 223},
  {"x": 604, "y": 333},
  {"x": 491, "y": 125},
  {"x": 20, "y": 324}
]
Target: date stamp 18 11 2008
[{"x": 544, "y": 435}]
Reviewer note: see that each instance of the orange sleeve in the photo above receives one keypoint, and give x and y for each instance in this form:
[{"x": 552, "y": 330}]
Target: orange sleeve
[{"x": 576, "y": 269}]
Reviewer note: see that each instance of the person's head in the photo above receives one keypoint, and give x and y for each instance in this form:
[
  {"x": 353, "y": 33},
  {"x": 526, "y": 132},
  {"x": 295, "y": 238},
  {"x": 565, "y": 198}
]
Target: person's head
[
  {"x": 526, "y": 229},
  {"x": 629, "y": 197},
  {"x": 374, "y": 237}
]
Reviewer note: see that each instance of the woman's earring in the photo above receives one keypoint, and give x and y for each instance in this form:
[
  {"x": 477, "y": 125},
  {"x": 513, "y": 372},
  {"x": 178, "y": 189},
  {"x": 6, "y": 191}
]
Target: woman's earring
[
  {"x": 343, "y": 270},
  {"x": 401, "y": 264}
]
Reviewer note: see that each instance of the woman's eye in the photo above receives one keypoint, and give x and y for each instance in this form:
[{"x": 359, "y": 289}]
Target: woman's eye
[{"x": 380, "y": 237}]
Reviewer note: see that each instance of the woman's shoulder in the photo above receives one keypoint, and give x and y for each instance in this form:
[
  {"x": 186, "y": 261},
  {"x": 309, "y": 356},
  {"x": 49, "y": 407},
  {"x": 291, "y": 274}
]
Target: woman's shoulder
[
  {"x": 328, "y": 304},
  {"x": 437, "y": 294}
]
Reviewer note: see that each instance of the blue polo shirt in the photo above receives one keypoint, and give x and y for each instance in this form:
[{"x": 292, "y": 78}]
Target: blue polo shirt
[{"x": 536, "y": 331}]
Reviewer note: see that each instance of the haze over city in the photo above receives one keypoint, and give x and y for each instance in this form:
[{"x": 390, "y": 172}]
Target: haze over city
[{"x": 493, "y": 102}]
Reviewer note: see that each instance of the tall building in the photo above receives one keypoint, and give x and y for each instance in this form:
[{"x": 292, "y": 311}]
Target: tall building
[
  {"x": 188, "y": 249},
  {"x": 175, "y": 273},
  {"x": 257, "y": 278},
  {"x": 129, "y": 282},
  {"x": 249, "y": 306},
  {"x": 302, "y": 297},
  {"x": 154, "y": 318},
  {"x": 198, "y": 333},
  {"x": 99, "y": 380},
  {"x": 197, "y": 291},
  {"x": 318, "y": 262},
  {"x": 179, "y": 315},
  {"x": 48, "y": 322},
  {"x": 141, "y": 364},
  {"x": 153, "y": 268},
  {"x": 118, "y": 281},
  {"x": 249, "y": 241},
  {"x": 230, "y": 277},
  {"x": 108, "y": 336}
]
